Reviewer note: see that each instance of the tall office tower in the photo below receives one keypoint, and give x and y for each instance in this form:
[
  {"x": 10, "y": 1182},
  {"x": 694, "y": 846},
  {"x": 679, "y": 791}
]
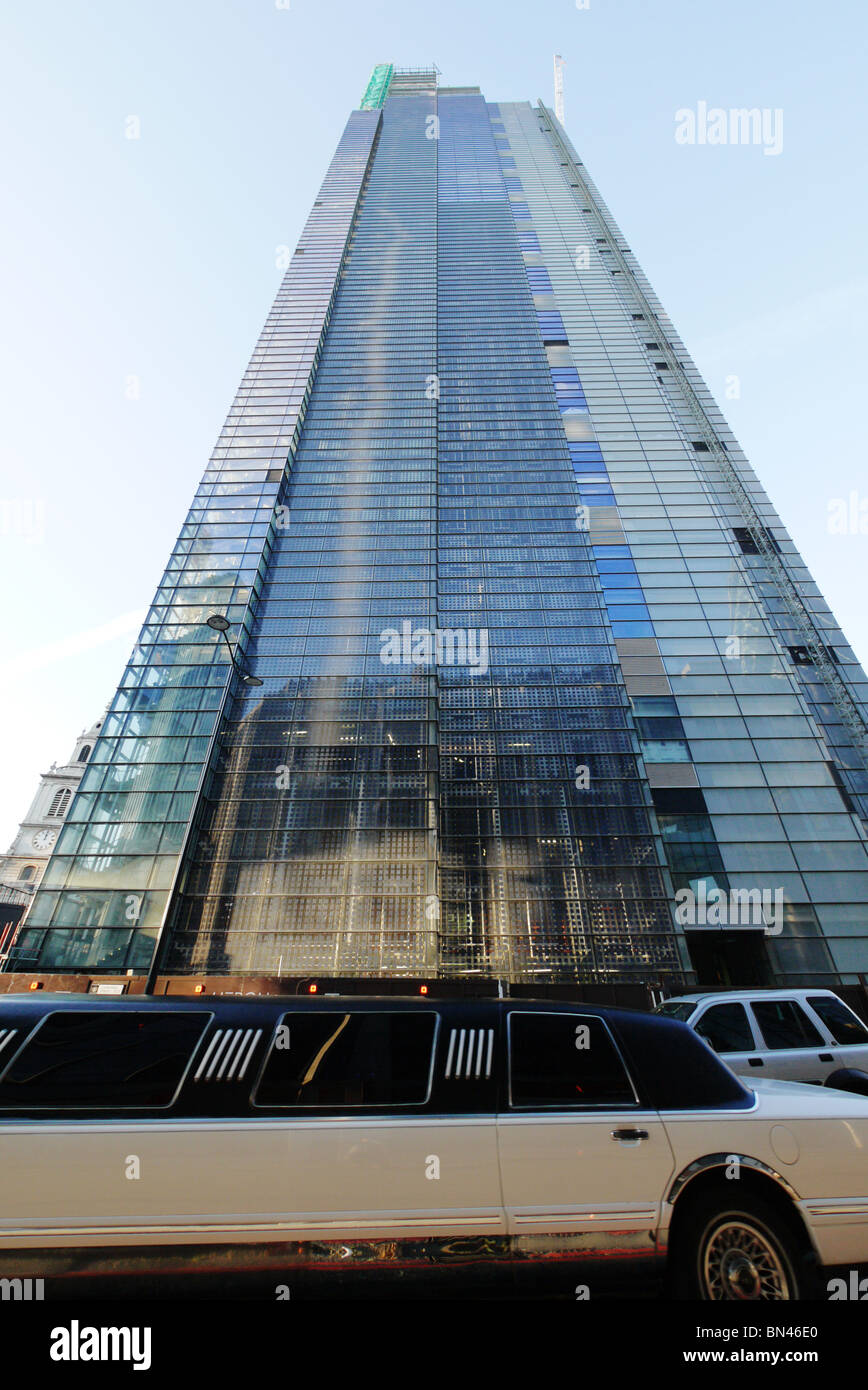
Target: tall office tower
[{"x": 545, "y": 692}]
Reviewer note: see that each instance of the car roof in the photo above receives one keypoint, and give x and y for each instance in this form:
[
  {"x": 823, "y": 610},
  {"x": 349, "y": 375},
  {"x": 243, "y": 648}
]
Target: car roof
[
  {"x": 724, "y": 995},
  {"x": 75, "y": 999}
]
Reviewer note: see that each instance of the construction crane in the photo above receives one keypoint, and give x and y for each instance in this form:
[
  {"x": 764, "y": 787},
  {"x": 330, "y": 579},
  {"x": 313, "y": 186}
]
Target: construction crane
[{"x": 559, "y": 87}]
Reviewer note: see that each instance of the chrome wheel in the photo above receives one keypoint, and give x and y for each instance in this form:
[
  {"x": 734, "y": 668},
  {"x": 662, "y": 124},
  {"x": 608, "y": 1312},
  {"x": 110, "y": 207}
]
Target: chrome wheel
[{"x": 740, "y": 1259}]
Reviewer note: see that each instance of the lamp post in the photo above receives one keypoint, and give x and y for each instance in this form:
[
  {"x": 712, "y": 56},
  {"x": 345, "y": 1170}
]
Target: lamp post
[{"x": 222, "y": 625}]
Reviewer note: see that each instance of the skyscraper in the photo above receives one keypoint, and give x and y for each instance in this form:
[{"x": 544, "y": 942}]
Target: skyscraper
[{"x": 545, "y": 692}]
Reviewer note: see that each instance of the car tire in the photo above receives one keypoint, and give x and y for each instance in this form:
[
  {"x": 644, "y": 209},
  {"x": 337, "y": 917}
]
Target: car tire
[
  {"x": 848, "y": 1079},
  {"x": 740, "y": 1248}
]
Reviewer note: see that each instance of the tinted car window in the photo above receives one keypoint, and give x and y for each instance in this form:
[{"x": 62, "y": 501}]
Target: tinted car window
[
  {"x": 725, "y": 1027},
  {"x": 103, "y": 1059},
  {"x": 783, "y": 1024},
  {"x": 346, "y": 1059},
  {"x": 564, "y": 1060},
  {"x": 844, "y": 1026},
  {"x": 679, "y": 1011}
]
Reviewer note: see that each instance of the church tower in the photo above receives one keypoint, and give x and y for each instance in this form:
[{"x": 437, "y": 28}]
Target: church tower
[{"x": 22, "y": 867}]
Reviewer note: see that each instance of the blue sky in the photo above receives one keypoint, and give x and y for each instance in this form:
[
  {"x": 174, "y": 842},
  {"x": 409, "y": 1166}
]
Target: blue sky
[{"x": 136, "y": 272}]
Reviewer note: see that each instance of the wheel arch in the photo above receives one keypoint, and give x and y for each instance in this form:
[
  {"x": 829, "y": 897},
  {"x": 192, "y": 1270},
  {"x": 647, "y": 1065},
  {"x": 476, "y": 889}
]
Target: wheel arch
[{"x": 755, "y": 1176}]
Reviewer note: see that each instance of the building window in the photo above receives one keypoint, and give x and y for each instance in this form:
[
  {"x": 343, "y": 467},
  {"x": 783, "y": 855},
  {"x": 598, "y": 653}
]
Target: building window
[
  {"x": 27, "y": 873},
  {"x": 84, "y": 754},
  {"x": 835, "y": 774},
  {"x": 60, "y": 801}
]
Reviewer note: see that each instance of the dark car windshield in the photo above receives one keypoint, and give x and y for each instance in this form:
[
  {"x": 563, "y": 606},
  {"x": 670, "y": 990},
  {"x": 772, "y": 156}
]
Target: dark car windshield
[{"x": 672, "y": 1009}]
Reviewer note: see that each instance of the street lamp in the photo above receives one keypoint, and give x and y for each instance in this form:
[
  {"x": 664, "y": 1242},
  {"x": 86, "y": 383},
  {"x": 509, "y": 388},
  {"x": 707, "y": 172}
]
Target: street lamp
[{"x": 222, "y": 625}]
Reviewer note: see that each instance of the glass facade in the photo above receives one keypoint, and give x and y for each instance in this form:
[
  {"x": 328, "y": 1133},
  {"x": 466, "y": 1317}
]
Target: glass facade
[{"x": 539, "y": 664}]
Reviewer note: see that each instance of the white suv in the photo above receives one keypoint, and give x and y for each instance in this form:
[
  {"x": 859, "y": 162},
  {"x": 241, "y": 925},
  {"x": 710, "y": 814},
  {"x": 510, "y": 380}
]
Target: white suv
[{"x": 792, "y": 1034}]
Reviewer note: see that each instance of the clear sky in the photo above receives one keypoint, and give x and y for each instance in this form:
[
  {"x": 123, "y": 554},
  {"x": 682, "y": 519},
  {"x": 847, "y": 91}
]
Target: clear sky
[{"x": 136, "y": 273}]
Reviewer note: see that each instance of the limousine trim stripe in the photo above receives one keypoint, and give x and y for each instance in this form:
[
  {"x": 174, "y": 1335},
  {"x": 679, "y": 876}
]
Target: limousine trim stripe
[
  {"x": 553, "y": 1220},
  {"x": 198, "y": 1123},
  {"x": 240, "y": 1038},
  {"x": 838, "y": 1206},
  {"x": 494, "y": 1222},
  {"x": 250, "y": 1051},
  {"x": 472, "y": 1041},
  {"x": 679, "y": 1113},
  {"x": 213, "y": 1050}
]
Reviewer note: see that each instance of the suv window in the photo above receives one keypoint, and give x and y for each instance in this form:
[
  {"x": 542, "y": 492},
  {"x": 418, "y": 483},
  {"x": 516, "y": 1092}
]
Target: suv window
[
  {"x": 103, "y": 1059},
  {"x": 841, "y": 1022},
  {"x": 726, "y": 1028},
  {"x": 783, "y": 1024},
  {"x": 564, "y": 1060},
  {"x": 681, "y": 1011},
  {"x": 349, "y": 1059}
]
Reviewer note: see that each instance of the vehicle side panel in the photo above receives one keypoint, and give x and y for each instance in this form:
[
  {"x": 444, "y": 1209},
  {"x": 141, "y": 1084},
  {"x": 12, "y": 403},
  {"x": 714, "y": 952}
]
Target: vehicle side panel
[{"x": 250, "y": 1179}]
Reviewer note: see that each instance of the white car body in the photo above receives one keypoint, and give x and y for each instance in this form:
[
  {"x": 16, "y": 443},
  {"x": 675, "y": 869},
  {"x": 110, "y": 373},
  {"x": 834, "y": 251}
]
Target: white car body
[
  {"x": 815, "y": 1057},
  {"x": 815, "y": 1141}
]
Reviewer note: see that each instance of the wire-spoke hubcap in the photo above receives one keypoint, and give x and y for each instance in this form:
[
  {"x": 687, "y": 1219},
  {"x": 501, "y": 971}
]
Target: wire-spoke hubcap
[{"x": 741, "y": 1261}]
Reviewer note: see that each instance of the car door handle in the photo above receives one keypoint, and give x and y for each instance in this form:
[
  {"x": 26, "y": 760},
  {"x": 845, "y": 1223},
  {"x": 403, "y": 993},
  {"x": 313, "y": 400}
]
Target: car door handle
[
  {"x": 626, "y": 1135},
  {"x": 755, "y": 1061},
  {"x": 826, "y": 1057}
]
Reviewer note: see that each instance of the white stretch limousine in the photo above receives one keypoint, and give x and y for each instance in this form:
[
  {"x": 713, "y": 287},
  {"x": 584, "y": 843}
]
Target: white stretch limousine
[{"x": 409, "y": 1139}]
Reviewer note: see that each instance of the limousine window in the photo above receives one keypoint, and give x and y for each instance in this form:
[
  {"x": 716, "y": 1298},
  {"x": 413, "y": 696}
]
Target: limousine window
[
  {"x": 349, "y": 1059},
  {"x": 564, "y": 1060},
  {"x": 83, "y": 1059}
]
